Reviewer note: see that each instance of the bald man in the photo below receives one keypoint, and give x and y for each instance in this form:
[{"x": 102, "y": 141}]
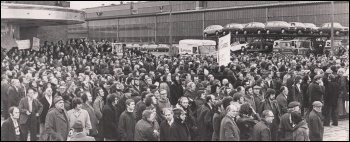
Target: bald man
[{"x": 229, "y": 130}]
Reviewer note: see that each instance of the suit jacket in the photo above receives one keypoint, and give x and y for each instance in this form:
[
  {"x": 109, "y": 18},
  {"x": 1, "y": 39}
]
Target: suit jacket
[
  {"x": 37, "y": 107},
  {"x": 229, "y": 130},
  {"x": 13, "y": 96},
  {"x": 57, "y": 125},
  {"x": 205, "y": 122},
  {"x": 272, "y": 84},
  {"x": 82, "y": 137},
  {"x": 261, "y": 131},
  {"x": 8, "y": 130},
  {"x": 46, "y": 107},
  {"x": 316, "y": 92},
  {"x": 282, "y": 103},
  {"x": 4, "y": 91}
]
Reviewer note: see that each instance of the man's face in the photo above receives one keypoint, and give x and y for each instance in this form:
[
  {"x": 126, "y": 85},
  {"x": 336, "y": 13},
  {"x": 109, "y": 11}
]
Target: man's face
[
  {"x": 183, "y": 116},
  {"x": 272, "y": 96},
  {"x": 184, "y": 103},
  {"x": 163, "y": 94},
  {"x": 152, "y": 117},
  {"x": 196, "y": 79},
  {"x": 131, "y": 106},
  {"x": 15, "y": 113},
  {"x": 193, "y": 87},
  {"x": 16, "y": 83},
  {"x": 149, "y": 81},
  {"x": 157, "y": 94},
  {"x": 154, "y": 100},
  {"x": 101, "y": 92},
  {"x": 269, "y": 118},
  {"x": 30, "y": 93},
  {"x": 168, "y": 115},
  {"x": 60, "y": 104},
  {"x": 233, "y": 112},
  {"x": 250, "y": 91}
]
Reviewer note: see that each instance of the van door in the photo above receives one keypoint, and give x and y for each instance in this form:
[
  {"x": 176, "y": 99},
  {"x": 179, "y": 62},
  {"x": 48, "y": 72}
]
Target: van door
[{"x": 194, "y": 50}]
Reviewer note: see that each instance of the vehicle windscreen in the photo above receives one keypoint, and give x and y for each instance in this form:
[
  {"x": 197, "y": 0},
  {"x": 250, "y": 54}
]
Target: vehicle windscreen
[{"x": 207, "y": 49}]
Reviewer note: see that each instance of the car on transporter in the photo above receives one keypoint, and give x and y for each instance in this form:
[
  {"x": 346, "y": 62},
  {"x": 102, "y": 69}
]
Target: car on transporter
[
  {"x": 254, "y": 28},
  {"x": 234, "y": 28},
  {"x": 338, "y": 29},
  {"x": 314, "y": 28},
  {"x": 300, "y": 28},
  {"x": 279, "y": 27},
  {"x": 213, "y": 30}
]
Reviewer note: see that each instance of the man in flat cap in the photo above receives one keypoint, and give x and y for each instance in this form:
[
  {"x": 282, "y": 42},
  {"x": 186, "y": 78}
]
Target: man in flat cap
[
  {"x": 285, "y": 130},
  {"x": 315, "y": 122},
  {"x": 57, "y": 121},
  {"x": 79, "y": 134}
]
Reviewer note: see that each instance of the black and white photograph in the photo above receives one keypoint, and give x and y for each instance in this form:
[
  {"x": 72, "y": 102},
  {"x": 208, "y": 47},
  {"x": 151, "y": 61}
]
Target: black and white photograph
[{"x": 174, "y": 70}]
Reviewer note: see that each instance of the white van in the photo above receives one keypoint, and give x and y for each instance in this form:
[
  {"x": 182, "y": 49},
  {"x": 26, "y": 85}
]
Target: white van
[{"x": 195, "y": 46}]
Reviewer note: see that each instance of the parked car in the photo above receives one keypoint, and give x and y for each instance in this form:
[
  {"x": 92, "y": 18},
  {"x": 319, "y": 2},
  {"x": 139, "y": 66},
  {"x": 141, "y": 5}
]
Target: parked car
[
  {"x": 239, "y": 45},
  {"x": 314, "y": 28},
  {"x": 152, "y": 47},
  {"x": 260, "y": 45},
  {"x": 277, "y": 27},
  {"x": 163, "y": 48},
  {"x": 234, "y": 28},
  {"x": 213, "y": 30},
  {"x": 254, "y": 27},
  {"x": 326, "y": 28},
  {"x": 300, "y": 27}
]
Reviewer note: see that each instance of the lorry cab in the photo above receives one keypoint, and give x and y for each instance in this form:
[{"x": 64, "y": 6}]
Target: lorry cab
[
  {"x": 194, "y": 46},
  {"x": 301, "y": 46},
  {"x": 337, "y": 46},
  {"x": 282, "y": 46}
]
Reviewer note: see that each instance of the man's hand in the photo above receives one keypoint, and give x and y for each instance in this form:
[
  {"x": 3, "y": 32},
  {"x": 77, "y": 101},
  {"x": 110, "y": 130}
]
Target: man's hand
[{"x": 27, "y": 112}]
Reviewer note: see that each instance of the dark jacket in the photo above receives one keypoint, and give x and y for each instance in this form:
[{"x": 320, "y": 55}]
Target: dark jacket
[
  {"x": 246, "y": 125},
  {"x": 13, "y": 96},
  {"x": 139, "y": 108},
  {"x": 164, "y": 131},
  {"x": 126, "y": 127},
  {"x": 282, "y": 103},
  {"x": 205, "y": 122},
  {"x": 82, "y": 137},
  {"x": 57, "y": 125},
  {"x": 46, "y": 107},
  {"x": 285, "y": 130},
  {"x": 110, "y": 122},
  {"x": 37, "y": 107},
  {"x": 332, "y": 93},
  {"x": 176, "y": 91},
  {"x": 178, "y": 131},
  {"x": 296, "y": 94},
  {"x": 315, "y": 123},
  {"x": 93, "y": 119},
  {"x": 8, "y": 130},
  {"x": 301, "y": 132},
  {"x": 229, "y": 130},
  {"x": 261, "y": 131},
  {"x": 216, "y": 125},
  {"x": 316, "y": 92},
  {"x": 144, "y": 131}
]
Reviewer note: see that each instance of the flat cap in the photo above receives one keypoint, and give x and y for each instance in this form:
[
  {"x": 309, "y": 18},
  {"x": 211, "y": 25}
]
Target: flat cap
[
  {"x": 293, "y": 104},
  {"x": 317, "y": 77},
  {"x": 317, "y": 104},
  {"x": 329, "y": 71},
  {"x": 256, "y": 87}
]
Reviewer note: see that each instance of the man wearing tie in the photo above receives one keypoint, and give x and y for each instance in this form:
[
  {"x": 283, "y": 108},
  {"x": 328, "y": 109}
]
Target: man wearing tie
[
  {"x": 30, "y": 109},
  {"x": 10, "y": 127}
]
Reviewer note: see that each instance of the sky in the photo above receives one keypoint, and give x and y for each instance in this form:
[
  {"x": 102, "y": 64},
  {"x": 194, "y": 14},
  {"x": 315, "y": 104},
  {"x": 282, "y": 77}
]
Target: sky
[{"x": 88, "y": 4}]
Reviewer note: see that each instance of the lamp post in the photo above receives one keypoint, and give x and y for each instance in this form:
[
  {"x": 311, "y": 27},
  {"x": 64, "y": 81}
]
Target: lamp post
[
  {"x": 170, "y": 30},
  {"x": 332, "y": 28}
]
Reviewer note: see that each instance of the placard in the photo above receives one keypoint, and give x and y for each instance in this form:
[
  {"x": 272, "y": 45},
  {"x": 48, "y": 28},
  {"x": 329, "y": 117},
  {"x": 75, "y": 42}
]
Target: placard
[
  {"x": 118, "y": 48},
  {"x": 224, "y": 50},
  {"x": 36, "y": 44},
  {"x": 23, "y": 44}
]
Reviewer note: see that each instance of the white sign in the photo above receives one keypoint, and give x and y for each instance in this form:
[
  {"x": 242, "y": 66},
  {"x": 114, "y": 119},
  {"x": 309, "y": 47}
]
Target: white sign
[
  {"x": 117, "y": 47},
  {"x": 224, "y": 50},
  {"x": 23, "y": 44},
  {"x": 36, "y": 44}
]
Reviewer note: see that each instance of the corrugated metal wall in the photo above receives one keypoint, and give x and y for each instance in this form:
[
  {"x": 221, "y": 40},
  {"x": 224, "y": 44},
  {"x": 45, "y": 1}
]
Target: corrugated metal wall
[{"x": 190, "y": 25}]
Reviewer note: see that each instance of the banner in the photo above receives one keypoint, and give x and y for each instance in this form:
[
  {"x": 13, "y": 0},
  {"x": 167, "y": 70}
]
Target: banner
[
  {"x": 7, "y": 42},
  {"x": 23, "y": 44},
  {"x": 224, "y": 50},
  {"x": 36, "y": 44},
  {"x": 118, "y": 48}
]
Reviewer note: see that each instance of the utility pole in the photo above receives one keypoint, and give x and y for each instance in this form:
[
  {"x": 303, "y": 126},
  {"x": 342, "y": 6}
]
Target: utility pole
[
  {"x": 170, "y": 30},
  {"x": 332, "y": 28}
]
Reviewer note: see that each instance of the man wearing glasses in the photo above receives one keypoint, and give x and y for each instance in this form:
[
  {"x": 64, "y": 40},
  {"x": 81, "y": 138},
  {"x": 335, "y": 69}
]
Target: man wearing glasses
[{"x": 261, "y": 131}]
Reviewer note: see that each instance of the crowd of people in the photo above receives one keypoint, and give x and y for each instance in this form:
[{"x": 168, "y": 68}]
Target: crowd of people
[{"x": 82, "y": 91}]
